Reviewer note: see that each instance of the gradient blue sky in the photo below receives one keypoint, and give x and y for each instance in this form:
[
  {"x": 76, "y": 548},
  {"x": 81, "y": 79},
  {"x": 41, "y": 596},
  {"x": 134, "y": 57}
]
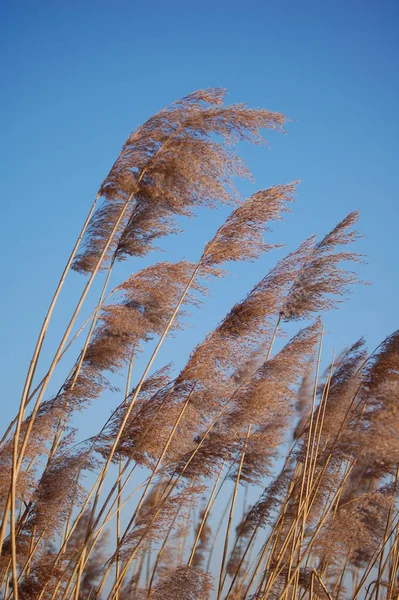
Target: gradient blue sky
[{"x": 77, "y": 77}]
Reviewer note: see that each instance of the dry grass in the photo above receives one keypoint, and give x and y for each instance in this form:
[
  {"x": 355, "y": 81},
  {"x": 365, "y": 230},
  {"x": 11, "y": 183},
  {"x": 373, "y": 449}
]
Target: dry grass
[{"x": 146, "y": 508}]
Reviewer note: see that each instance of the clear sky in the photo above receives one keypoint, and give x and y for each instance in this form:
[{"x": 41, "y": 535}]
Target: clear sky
[{"x": 78, "y": 77}]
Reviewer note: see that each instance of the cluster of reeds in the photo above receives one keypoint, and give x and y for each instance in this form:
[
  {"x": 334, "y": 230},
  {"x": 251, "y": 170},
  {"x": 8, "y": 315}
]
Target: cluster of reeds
[{"x": 249, "y": 473}]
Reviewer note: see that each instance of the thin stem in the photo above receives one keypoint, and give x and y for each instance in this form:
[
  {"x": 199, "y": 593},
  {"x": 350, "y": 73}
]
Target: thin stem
[
  {"x": 219, "y": 527},
  {"x": 118, "y": 516},
  {"x": 274, "y": 336},
  {"x": 205, "y": 515},
  {"x": 226, "y": 541}
]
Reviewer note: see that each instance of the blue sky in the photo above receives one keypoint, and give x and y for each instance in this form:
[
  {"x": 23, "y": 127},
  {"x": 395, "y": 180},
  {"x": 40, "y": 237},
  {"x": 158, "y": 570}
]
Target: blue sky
[{"x": 78, "y": 77}]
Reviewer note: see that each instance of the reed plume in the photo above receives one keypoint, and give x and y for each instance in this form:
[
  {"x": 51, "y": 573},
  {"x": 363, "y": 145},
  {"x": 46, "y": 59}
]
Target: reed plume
[
  {"x": 169, "y": 166},
  {"x": 321, "y": 282},
  {"x": 186, "y": 583}
]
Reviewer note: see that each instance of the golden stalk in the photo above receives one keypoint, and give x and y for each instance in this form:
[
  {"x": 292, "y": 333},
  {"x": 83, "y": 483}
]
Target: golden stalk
[
  {"x": 205, "y": 515},
  {"x": 118, "y": 515},
  {"x": 226, "y": 540}
]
